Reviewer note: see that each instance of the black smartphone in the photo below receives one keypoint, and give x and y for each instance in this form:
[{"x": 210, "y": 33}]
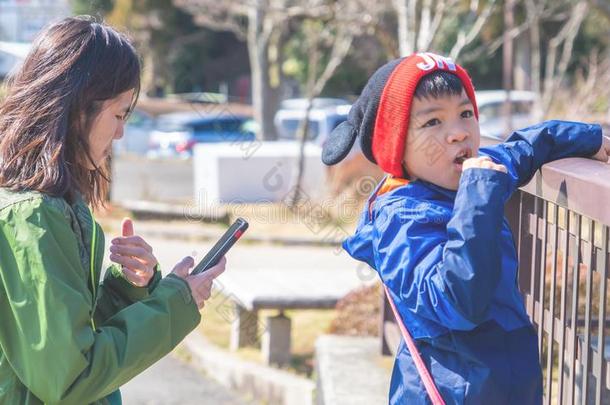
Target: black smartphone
[{"x": 223, "y": 245}]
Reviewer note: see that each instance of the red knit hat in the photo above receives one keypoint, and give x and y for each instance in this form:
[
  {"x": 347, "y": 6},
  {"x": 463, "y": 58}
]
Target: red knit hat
[{"x": 381, "y": 114}]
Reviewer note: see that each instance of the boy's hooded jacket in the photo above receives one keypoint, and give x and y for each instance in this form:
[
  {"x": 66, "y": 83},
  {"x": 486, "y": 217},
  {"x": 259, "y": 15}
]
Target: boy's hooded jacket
[
  {"x": 449, "y": 260},
  {"x": 64, "y": 339}
]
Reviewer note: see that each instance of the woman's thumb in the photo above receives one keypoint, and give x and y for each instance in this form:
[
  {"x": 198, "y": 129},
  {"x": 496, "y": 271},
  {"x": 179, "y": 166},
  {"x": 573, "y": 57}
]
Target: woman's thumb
[
  {"x": 181, "y": 269},
  {"x": 127, "y": 227}
]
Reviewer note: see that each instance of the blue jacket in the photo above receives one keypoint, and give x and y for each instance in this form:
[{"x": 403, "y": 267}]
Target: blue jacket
[{"x": 449, "y": 260}]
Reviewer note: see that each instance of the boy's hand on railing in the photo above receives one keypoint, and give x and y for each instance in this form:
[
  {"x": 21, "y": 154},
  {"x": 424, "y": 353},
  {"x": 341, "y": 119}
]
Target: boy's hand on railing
[
  {"x": 482, "y": 162},
  {"x": 604, "y": 152}
]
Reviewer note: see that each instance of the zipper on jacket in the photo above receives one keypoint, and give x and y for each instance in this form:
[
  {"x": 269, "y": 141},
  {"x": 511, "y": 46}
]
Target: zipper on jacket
[{"x": 92, "y": 263}]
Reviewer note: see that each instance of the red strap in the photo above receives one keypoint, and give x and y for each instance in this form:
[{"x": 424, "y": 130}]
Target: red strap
[
  {"x": 389, "y": 184},
  {"x": 433, "y": 393}
]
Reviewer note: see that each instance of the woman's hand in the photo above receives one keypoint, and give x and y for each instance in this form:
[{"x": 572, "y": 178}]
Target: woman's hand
[
  {"x": 134, "y": 254},
  {"x": 482, "y": 162},
  {"x": 201, "y": 284},
  {"x": 604, "y": 152}
]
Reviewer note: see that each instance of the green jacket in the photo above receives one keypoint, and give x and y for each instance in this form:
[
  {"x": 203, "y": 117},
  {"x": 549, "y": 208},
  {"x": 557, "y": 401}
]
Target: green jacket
[{"x": 64, "y": 337}]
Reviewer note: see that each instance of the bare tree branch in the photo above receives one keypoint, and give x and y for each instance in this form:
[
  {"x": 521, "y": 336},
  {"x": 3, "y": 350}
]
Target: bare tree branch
[
  {"x": 534, "y": 15},
  {"x": 225, "y": 16},
  {"x": 425, "y": 24},
  {"x": 313, "y": 12},
  {"x": 493, "y": 46},
  {"x": 464, "y": 38},
  {"x": 439, "y": 14},
  {"x": 339, "y": 52},
  {"x": 567, "y": 35},
  {"x": 407, "y": 20}
]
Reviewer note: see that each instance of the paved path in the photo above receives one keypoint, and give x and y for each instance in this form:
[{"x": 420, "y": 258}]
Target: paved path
[{"x": 171, "y": 381}]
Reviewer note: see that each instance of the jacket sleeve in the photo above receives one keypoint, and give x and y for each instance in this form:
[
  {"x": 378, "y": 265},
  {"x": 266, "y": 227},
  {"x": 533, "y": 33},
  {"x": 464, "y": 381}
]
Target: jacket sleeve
[
  {"x": 526, "y": 150},
  {"x": 45, "y": 329},
  {"x": 116, "y": 293},
  {"x": 447, "y": 275}
]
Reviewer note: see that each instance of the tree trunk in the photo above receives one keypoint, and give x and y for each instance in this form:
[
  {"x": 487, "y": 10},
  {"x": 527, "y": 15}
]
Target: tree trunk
[
  {"x": 264, "y": 97},
  {"x": 523, "y": 63},
  {"x": 148, "y": 74},
  {"x": 536, "y": 58},
  {"x": 406, "y": 26},
  {"x": 425, "y": 26},
  {"x": 302, "y": 134},
  {"x": 507, "y": 65}
]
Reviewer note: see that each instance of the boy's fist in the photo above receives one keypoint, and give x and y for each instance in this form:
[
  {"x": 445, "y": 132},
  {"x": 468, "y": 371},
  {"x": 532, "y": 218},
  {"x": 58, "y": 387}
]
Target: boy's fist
[
  {"x": 604, "y": 152},
  {"x": 482, "y": 162}
]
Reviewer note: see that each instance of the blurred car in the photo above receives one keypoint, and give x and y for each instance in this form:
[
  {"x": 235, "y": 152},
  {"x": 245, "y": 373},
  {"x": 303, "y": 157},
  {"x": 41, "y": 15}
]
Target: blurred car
[
  {"x": 136, "y": 134},
  {"x": 326, "y": 114},
  {"x": 492, "y": 118},
  {"x": 176, "y": 134}
]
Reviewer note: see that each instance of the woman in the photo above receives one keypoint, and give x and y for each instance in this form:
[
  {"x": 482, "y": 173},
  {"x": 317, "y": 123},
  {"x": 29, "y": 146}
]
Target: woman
[{"x": 64, "y": 337}]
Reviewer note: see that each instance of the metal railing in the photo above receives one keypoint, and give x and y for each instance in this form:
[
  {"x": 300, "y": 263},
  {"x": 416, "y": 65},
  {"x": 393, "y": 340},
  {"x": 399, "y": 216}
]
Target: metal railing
[{"x": 560, "y": 224}]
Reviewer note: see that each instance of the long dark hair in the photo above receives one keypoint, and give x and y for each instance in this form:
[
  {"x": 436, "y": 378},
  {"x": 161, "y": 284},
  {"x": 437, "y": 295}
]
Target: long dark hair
[{"x": 51, "y": 103}]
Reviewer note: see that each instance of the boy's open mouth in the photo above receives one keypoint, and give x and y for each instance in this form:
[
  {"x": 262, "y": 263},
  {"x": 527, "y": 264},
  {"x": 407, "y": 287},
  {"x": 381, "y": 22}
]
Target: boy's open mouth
[{"x": 461, "y": 156}]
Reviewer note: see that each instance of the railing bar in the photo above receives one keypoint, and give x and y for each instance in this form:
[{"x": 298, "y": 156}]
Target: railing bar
[
  {"x": 601, "y": 372},
  {"x": 542, "y": 278},
  {"x": 589, "y": 286},
  {"x": 551, "y": 338},
  {"x": 574, "y": 308},
  {"x": 534, "y": 273},
  {"x": 524, "y": 275},
  {"x": 563, "y": 309},
  {"x": 599, "y": 253},
  {"x": 518, "y": 237}
]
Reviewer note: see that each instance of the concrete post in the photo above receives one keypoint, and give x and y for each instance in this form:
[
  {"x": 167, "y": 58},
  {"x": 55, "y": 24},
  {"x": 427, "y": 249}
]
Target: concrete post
[
  {"x": 244, "y": 329},
  {"x": 276, "y": 340}
]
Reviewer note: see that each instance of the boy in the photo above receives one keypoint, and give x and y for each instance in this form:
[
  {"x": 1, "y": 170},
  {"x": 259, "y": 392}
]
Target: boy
[{"x": 435, "y": 232}]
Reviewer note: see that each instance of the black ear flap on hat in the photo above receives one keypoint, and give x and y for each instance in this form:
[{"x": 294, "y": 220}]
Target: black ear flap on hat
[
  {"x": 339, "y": 143},
  {"x": 360, "y": 121}
]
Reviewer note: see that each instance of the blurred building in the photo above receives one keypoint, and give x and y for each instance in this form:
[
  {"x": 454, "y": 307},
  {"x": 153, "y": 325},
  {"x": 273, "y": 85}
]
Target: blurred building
[{"x": 20, "y": 21}]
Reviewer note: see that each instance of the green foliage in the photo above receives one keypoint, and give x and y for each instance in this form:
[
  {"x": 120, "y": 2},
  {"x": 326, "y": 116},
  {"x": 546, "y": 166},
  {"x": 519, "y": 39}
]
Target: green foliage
[
  {"x": 92, "y": 7},
  {"x": 295, "y": 53},
  {"x": 349, "y": 79},
  {"x": 160, "y": 40}
]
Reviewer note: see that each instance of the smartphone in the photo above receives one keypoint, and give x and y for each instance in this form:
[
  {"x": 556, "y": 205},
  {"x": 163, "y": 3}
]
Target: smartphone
[{"x": 223, "y": 245}]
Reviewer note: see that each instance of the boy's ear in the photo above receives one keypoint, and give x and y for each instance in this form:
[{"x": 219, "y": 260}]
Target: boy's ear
[{"x": 339, "y": 143}]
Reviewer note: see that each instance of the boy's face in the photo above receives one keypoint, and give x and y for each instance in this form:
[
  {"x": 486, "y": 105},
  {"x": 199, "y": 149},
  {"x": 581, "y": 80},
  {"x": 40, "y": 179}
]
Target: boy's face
[{"x": 443, "y": 132}]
